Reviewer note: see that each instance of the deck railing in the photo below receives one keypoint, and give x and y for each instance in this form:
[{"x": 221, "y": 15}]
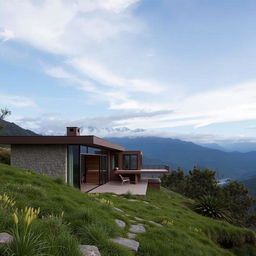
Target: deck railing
[{"x": 155, "y": 166}]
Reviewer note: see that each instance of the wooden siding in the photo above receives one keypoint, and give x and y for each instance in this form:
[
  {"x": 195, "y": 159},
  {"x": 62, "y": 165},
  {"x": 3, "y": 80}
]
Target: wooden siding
[{"x": 93, "y": 166}]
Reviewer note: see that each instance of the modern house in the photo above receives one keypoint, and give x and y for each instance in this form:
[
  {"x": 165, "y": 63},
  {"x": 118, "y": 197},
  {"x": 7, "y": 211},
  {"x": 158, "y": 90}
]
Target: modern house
[{"x": 82, "y": 161}]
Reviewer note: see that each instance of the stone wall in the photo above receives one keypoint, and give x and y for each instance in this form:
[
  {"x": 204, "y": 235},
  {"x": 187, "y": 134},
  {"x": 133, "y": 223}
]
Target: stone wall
[{"x": 50, "y": 160}]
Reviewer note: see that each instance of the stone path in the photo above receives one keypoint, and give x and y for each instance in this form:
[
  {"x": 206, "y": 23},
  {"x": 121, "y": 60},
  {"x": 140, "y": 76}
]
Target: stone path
[
  {"x": 131, "y": 235},
  {"x": 139, "y": 228},
  {"x": 134, "y": 229},
  {"x": 5, "y": 239},
  {"x": 139, "y": 219},
  {"x": 120, "y": 223},
  {"x": 155, "y": 223},
  {"x": 117, "y": 209},
  {"x": 128, "y": 243},
  {"x": 89, "y": 250}
]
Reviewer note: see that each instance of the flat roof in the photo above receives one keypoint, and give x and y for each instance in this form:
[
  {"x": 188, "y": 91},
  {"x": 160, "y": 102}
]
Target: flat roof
[{"x": 90, "y": 140}]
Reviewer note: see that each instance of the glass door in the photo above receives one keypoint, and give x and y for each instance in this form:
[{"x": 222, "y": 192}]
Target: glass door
[{"x": 103, "y": 170}]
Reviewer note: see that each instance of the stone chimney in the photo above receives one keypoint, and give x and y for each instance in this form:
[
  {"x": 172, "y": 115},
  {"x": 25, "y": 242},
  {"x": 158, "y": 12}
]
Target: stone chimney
[{"x": 73, "y": 131}]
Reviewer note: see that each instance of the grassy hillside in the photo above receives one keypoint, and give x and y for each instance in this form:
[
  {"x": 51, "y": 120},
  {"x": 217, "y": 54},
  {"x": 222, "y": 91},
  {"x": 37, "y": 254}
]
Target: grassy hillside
[{"x": 89, "y": 219}]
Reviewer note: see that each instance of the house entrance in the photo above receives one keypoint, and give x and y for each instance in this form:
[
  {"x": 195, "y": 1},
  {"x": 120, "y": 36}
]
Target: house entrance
[{"x": 93, "y": 171}]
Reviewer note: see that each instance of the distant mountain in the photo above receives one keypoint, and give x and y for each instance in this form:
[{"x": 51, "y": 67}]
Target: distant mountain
[
  {"x": 242, "y": 147},
  {"x": 185, "y": 155},
  {"x": 213, "y": 146},
  {"x": 11, "y": 129}
]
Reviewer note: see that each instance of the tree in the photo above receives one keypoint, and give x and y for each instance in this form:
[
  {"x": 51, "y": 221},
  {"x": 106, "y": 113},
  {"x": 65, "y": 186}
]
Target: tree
[
  {"x": 200, "y": 182},
  {"x": 175, "y": 181},
  {"x": 237, "y": 198},
  {"x": 4, "y": 112}
]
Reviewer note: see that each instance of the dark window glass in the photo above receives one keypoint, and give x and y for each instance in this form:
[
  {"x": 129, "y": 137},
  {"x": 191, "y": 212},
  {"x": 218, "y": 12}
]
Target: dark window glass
[
  {"x": 84, "y": 149},
  {"x": 134, "y": 162},
  {"x": 73, "y": 166},
  {"x": 114, "y": 161},
  {"x": 95, "y": 151},
  {"x": 130, "y": 162}
]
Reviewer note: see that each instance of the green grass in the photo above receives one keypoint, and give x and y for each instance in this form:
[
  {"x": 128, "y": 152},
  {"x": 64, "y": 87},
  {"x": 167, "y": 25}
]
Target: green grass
[{"x": 90, "y": 220}]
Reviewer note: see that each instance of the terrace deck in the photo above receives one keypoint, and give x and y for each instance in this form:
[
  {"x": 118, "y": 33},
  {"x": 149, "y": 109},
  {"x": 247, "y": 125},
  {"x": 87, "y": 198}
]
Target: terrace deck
[{"x": 116, "y": 187}]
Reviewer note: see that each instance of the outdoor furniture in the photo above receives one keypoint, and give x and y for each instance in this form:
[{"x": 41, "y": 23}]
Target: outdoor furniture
[{"x": 124, "y": 179}]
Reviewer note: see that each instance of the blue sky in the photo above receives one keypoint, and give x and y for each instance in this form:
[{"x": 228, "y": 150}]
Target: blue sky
[{"x": 173, "y": 68}]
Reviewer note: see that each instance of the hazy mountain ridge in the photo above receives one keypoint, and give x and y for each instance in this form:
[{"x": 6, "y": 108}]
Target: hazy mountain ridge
[{"x": 11, "y": 129}]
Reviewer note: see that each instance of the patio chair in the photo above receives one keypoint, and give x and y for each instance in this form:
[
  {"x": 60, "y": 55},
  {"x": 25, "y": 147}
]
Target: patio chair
[{"x": 124, "y": 179}]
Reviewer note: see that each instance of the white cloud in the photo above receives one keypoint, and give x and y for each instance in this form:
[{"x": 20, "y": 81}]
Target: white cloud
[
  {"x": 234, "y": 103},
  {"x": 6, "y": 34},
  {"x": 101, "y": 74},
  {"x": 16, "y": 101},
  {"x": 57, "y": 72}
]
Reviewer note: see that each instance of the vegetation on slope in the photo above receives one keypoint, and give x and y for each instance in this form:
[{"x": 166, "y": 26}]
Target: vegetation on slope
[
  {"x": 89, "y": 219},
  {"x": 230, "y": 202},
  {"x": 5, "y": 155}
]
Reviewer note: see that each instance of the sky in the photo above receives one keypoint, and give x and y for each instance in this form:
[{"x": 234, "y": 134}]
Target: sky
[{"x": 169, "y": 68}]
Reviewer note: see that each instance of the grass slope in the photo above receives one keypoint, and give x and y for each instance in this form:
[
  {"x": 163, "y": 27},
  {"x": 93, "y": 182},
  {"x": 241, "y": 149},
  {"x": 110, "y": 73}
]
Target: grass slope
[{"x": 90, "y": 220}]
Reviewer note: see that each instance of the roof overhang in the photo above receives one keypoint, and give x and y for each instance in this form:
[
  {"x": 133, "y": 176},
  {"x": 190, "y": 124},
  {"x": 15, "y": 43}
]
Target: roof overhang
[{"x": 91, "y": 141}]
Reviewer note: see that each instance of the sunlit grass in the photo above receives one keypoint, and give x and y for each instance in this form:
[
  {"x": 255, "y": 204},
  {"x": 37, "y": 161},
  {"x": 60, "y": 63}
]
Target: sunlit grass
[{"x": 68, "y": 218}]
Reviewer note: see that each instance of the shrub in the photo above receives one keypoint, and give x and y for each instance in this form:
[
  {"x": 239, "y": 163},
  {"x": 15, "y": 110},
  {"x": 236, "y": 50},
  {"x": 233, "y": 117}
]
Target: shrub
[
  {"x": 5, "y": 156},
  {"x": 25, "y": 241},
  {"x": 212, "y": 207}
]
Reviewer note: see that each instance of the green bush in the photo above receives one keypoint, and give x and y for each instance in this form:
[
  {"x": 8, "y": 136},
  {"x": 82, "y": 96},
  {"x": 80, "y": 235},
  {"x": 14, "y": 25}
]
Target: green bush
[
  {"x": 5, "y": 156},
  {"x": 212, "y": 207}
]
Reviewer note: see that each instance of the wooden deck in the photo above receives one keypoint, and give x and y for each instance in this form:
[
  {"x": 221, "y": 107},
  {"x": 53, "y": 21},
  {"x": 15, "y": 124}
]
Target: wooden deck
[{"x": 116, "y": 187}]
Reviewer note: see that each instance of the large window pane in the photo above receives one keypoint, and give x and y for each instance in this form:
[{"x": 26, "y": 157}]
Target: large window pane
[
  {"x": 126, "y": 162},
  {"x": 114, "y": 161},
  {"x": 74, "y": 165},
  {"x": 130, "y": 162},
  {"x": 134, "y": 162}
]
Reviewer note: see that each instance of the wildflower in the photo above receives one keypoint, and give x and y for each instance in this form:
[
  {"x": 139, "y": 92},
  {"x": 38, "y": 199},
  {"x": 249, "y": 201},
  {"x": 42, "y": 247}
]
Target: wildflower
[
  {"x": 15, "y": 218},
  {"x": 167, "y": 222}
]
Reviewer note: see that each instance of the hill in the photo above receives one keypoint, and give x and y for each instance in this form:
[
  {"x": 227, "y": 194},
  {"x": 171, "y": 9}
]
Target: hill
[
  {"x": 68, "y": 218},
  {"x": 185, "y": 155},
  {"x": 11, "y": 129}
]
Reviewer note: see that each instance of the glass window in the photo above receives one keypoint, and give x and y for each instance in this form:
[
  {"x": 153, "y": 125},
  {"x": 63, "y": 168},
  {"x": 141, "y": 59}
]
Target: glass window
[
  {"x": 73, "y": 175},
  {"x": 134, "y": 162},
  {"x": 114, "y": 161},
  {"x": 130, "y": 162}
]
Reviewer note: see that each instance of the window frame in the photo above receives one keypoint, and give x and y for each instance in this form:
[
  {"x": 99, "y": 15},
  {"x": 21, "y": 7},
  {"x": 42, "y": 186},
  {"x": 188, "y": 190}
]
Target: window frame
[{"x": 130, "y": 161}]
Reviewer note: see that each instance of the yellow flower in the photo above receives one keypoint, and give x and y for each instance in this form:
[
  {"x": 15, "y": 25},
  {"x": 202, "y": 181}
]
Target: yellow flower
[{"x": 15, "y": 218}]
